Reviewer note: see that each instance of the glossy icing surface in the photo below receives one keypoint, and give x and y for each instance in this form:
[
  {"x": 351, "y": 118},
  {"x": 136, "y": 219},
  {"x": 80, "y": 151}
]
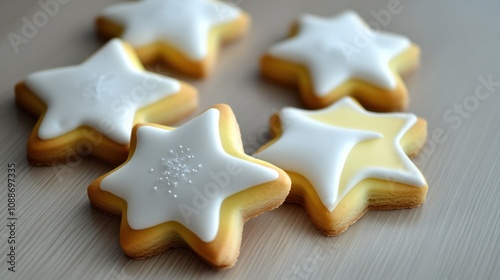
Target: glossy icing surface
[
  {"x": 183, "y": 175},
  {"x": 340, "y": 48},
  {"x": 104, "y": 93},
  {"x": 337, "y": 147},
  {"x": 185, "y": 24}
]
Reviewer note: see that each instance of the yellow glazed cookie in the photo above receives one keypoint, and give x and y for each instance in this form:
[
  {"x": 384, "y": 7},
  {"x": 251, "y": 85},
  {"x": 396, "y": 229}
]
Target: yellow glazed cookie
[
  {"x": 345, "y": 161},
  {"x": 184, "y": 33},
  {"x": 328, "y": 58},
  {"x": 90, "y": 109},
  {"x": 192, "y": 186}
]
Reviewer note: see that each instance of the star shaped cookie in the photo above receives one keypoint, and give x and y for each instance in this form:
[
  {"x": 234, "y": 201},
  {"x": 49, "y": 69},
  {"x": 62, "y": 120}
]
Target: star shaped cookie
[
  {"x": 184, "y": 33},
  {"x": 91, "y": 108},
  {"x": 345, "y": 161},
  {"x": 193, "y": 183},
  {"x": 328, "y": 58}
]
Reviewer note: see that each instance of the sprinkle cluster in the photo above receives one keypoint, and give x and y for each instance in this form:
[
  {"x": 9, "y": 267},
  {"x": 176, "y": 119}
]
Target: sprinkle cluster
[{"x": 176, "y": 169}]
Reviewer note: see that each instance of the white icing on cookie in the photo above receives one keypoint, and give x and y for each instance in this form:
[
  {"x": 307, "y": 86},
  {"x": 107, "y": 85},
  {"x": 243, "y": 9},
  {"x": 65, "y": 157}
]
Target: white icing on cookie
[
  {"x": 201, "y": 176},
  {"x": 104, "y": 93},
  {"x": 340, "y": 48},
  {"x": 185, "y": 24},
  {"x": 319, "y": 151}
]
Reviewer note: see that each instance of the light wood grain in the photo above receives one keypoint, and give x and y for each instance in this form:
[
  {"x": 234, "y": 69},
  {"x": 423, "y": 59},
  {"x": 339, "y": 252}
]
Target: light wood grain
[{"x": 455, "y": 235}]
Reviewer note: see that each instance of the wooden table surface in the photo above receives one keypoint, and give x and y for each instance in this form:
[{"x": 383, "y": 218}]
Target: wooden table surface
[{"x": 455, "y": 235}]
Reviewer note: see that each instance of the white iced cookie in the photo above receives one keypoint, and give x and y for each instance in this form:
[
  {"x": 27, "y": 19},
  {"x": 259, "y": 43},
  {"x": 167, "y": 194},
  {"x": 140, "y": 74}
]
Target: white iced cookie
[
  {"x": 183, "y": 33},
  {"x": 344, "y": 161},
  {"x": 328, "y": 58},
  {"x": 91, "y": 108},
  {"x": 190, "y": 186}
]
